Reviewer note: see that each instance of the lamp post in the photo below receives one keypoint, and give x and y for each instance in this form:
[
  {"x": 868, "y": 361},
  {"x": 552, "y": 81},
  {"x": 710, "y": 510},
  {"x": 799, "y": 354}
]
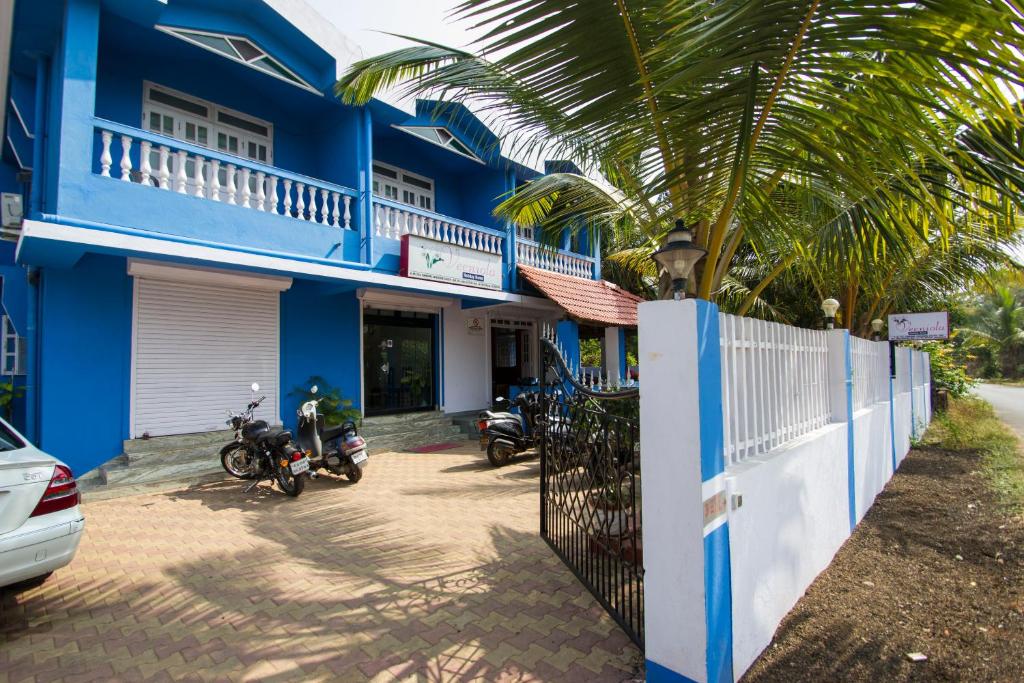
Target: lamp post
[
  {"x": 829, "y": 308},
  {"x": 678, "y": 257},
  {"x": 876, "y": 329}
]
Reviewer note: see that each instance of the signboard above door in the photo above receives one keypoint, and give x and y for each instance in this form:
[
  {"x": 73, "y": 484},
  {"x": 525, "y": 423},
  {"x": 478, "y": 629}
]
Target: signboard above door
[
  {"x": 918, "y": 326},
  {"x": 428, "y": 259}
]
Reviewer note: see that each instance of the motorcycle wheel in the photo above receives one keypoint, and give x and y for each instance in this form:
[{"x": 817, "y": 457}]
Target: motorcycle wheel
[
  {"x": 499, "y": 454},
  {"x": 236, "y": 461},
  {"x": 354, "y": 473},
  {"x": 288, "y": 482}
]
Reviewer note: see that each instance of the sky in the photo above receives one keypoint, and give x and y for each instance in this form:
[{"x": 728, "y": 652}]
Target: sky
[{"x": 364, "y": 20}]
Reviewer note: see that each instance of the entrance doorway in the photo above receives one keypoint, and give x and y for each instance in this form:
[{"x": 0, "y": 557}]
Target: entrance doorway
[
  {"x": 399, "y": 361},
  {"x": 511, "y": 357}
]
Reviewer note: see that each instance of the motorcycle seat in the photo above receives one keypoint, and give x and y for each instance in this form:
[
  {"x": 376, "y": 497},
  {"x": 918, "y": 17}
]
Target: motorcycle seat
[
  {"x": 275, "y": 437},
  {"x": 490, "y": 415},
  {"x": 332, "y": 433}
]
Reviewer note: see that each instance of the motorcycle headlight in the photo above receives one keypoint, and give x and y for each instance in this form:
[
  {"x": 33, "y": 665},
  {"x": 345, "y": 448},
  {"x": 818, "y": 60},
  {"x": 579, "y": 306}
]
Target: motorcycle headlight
[{"x": 308, "y": 409}]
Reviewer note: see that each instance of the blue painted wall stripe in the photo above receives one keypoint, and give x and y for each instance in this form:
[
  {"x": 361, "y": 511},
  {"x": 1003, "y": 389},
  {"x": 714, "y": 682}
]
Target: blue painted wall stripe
[
  {"x": 892, "y": 422},
  {"x": 709, "y": 380},
  {"x": 717, "y": 570},
  {"x": 656, "y": 673},
  {"x": 850, "y": 458}
]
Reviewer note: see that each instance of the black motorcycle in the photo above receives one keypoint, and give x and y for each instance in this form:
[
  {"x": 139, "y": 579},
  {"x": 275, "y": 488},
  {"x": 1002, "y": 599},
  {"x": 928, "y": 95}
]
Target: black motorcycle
[
  {"x": 260, "y": 452},
  {"x": 505, "y": 434},
  {"x": 338, "y": 449}
]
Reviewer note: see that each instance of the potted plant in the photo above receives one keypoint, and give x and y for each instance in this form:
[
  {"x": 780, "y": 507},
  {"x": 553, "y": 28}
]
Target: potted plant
[{"x": 611, "y": 509}]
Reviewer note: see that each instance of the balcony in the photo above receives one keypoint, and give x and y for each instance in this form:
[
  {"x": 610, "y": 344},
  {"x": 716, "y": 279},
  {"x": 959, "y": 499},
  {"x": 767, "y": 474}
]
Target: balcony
[
  {"x": 531, "y": 253},
  {"x": 392, "y": 220},
  {"x": 247, "y": 204},
  {"x": 138, "y": 156}
]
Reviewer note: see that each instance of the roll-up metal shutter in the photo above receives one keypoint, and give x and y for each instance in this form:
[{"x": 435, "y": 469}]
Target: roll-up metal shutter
[{"x": 198, "y": 349}]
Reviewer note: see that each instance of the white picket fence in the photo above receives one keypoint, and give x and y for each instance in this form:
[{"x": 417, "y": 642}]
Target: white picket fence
[
  {"x": 774, "y": 384},
  {"x": 870, "y": 372}
]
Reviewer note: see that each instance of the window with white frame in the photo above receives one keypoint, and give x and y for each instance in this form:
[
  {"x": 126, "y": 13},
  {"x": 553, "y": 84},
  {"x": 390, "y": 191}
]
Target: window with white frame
[
  {"x": 399, "y": 185},
  {"x": 206, "y": 124}
]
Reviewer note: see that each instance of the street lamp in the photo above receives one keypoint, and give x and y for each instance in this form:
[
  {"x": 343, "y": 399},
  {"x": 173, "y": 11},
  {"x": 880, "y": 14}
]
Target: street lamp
[
  {"x": 829, "y": 308},
  {"x": 876, "y": 329},
  {"x": 678, "y": 257}
]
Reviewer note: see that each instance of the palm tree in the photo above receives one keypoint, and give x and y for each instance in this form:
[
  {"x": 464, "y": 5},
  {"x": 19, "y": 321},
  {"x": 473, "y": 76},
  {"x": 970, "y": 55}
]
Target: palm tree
[
  {"x": 725, "y": 113},
  {"x": 997, "y": 323}
]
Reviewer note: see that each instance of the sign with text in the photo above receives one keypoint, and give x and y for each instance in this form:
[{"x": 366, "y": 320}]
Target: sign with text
[
  {"x": 429, "y": 259},
  {"x": 918, "y": 326}
]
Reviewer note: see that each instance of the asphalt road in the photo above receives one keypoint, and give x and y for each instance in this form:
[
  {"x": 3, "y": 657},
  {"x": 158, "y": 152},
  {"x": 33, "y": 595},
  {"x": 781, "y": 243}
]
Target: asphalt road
[{"x": 1008, "y": 403}]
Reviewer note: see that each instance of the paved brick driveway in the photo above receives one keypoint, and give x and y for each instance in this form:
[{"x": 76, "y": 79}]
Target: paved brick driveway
[{"x": 429, "y": 569}]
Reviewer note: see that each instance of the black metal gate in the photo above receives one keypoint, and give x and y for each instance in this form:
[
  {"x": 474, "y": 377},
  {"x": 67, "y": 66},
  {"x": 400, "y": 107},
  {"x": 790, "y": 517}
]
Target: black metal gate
[{"x": 590, "y": 483}]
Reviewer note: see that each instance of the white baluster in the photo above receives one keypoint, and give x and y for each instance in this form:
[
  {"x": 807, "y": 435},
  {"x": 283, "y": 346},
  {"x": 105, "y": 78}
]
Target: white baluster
[
  {"x": 145, "y": 166},
  {"x": 231, "y": 188},
  {"x": 200, "y": 181},
  {"x": 244, "y": 186},
  {"x": 335, "y": 201},
  {"x": 105, "y": 158},
  {"x": 261, "y": 191},
  {"x": 180, "y": 176},
  {"x": 163, "y": 173},
  {"x": 287, "y": 197},
  {"x": 272, "y": 199},
  {"x": 377, "y": 220},
  {"x": 126, "y": 159},
  {"x": 215, "y": 179},
  {"x": 348, "y": 213},
  {"x": 300, "y": 201},
  {"x": 312, "y": 203},
  {"x": 324, "y": 218}
]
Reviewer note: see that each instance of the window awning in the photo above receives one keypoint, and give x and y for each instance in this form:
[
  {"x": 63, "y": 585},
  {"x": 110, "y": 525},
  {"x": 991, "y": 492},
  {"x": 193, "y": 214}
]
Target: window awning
[{"x": 590, "y": 301}]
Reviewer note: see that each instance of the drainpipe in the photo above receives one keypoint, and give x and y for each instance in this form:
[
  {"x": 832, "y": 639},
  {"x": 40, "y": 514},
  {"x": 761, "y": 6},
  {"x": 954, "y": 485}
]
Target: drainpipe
[
  {"x": 39, "y": 142},
  {"x": 31, "y": 352}
]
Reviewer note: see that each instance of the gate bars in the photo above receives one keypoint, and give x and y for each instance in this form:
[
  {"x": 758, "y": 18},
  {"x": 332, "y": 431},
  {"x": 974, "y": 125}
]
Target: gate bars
[{"x": 590, "y": 483}]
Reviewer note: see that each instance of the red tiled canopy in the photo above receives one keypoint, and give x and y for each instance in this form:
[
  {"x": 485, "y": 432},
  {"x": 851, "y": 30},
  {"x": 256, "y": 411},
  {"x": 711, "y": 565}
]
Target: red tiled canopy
[{"x": 592, "y": 301}]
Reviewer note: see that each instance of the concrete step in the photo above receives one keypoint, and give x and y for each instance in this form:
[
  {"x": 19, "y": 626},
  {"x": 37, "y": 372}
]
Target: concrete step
[
  {"x": 153, "y": 470},
  {"x": 159, "y": 444},
  {"x": 143, "y": 458},
  {"x": 425, "y": 415},
  {"x": 407, "y": 440},
  {"x": 421, "y": 424}
]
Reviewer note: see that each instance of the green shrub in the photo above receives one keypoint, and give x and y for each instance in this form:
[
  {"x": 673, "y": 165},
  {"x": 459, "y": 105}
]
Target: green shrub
[
  {"x": 333, "y": 406},
  {"x": 947, "y": 371}
]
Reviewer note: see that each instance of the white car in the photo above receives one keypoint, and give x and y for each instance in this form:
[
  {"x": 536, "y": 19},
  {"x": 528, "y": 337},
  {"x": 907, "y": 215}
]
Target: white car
[{"x": 40, "y": 520}]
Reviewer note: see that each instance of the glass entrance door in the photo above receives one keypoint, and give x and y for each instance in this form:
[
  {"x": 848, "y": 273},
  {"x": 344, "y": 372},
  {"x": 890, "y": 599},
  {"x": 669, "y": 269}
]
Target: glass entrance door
[{"x": 399, "y": 363}]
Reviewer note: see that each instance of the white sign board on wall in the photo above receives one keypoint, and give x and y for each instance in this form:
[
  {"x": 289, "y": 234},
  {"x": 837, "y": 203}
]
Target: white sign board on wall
[
  {"x": 429, "y": 259},
  {"x": 918, "y": 326}
]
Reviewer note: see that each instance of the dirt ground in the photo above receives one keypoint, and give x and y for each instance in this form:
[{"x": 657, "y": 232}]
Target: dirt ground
[{"x": 936, "y": 567}]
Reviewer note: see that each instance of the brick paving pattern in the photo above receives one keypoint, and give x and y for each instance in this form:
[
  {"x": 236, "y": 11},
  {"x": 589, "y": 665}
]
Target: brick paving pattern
[{"x": 429, "y": 569}]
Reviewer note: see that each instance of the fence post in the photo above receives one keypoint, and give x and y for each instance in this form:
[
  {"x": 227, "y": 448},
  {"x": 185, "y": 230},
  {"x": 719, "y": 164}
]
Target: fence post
[
  {"x": 840, "y": 391},
  {"x": 687, "y": 579}
]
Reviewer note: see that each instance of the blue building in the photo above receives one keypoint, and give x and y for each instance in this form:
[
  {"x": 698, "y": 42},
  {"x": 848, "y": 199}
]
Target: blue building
[{"x": 188, "y": 209}]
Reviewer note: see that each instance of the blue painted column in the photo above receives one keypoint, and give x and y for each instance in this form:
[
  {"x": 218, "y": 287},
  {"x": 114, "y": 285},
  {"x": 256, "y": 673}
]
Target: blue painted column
[
  {"x": 688, "y": 581},
  {"x": 840, "y": 388},
  {"x": 70, "y": 138},
  {"x": 365, "y": 213},
  {"x": 568, "y": 333}
]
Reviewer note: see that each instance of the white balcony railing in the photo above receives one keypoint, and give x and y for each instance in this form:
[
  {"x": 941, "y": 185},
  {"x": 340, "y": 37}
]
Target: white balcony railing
[
  {"x": 530, "y": 253},
  {"x": 176, "y": 166},
  {"x": 391, "y": 220}
]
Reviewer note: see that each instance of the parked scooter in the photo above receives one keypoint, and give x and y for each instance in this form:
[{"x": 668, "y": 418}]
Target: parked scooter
[
  {"x": 260, "y": 452},
  {"x": 505, "y": 434},
  {"x": 339, "y": 449}
]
